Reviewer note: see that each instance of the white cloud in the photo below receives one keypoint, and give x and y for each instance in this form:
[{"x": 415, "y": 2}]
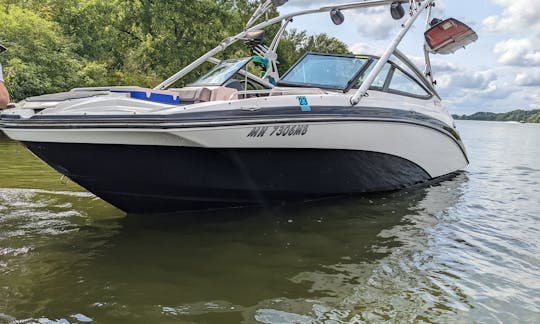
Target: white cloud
[
  {"x": 363, "y": 48},
  {"x": 481, "y": 80},
  {"x": 518, "y": 52},
  {"x": 374, "y": 23},
  {"x": 535, "y": 102},
  {"x": 442, "y": 66},
  {"x": 528, "y": 78},
  {"x": 517, "y": 15},
  {"x": 497, "y": 89}
]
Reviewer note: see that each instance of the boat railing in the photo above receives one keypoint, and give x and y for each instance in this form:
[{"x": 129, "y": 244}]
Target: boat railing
[
  {"x": 416, "y": 5},
  {"x": 276, "y": 92},
  {"x": 416, "y": 8}
]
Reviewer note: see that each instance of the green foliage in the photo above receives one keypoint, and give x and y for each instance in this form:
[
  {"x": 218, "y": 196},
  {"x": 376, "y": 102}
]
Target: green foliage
[
  {"x": 39, "y": 59},
  {"x": 479, "y": 116},
  {"x": 535, "y": 118},
  {"x": 55, "y": 45},
  {"x": 531, "y": 116}
]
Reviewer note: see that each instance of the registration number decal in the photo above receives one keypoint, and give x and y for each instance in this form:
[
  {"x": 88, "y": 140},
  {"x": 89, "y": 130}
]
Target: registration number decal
[
  {"x": 276, "y": 131},
  {"x": 304, "y": 105}
]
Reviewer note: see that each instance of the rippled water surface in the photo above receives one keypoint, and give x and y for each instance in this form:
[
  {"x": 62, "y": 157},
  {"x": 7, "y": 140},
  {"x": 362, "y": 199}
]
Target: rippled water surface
[{"x": 465, "y": 250}]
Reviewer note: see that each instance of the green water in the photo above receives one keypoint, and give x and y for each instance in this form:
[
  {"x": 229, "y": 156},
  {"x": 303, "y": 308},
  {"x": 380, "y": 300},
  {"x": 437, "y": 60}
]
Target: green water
[{"x": 464, "y": 250}]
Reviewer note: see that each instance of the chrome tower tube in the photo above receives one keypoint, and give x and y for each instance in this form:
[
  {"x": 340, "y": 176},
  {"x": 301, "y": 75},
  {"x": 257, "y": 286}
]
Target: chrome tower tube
[
  {"x": 231, "y": 40},
  {"x": 389, "y": 52}
]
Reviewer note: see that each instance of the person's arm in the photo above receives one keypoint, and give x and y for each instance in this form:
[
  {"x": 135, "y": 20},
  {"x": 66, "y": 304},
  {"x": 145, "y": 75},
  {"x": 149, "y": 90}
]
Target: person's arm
[{"x": 4, "y": 96}]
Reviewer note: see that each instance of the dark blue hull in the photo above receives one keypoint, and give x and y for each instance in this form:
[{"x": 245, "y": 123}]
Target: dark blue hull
[{"x": 160, "y": 179}]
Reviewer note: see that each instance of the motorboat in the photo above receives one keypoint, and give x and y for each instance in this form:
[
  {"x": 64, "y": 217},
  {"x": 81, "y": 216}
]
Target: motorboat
[{"x": 332, "y": 125}]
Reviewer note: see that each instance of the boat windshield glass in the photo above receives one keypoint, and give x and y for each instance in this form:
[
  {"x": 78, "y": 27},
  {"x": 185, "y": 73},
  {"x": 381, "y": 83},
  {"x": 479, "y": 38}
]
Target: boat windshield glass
[
  {"x": 324, "y": 71},
  {"x": 222, "y": 72}
]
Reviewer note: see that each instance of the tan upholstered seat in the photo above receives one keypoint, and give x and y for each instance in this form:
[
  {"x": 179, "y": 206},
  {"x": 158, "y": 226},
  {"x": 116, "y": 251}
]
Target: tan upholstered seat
[
  {"x": 193, "y": 95},
  {"x": 224, "y": 93}
]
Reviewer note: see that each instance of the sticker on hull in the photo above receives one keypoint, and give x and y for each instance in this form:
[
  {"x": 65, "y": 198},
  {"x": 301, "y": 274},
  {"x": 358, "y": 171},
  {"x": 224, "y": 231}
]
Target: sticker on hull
[{"x": 304, "y": 105}]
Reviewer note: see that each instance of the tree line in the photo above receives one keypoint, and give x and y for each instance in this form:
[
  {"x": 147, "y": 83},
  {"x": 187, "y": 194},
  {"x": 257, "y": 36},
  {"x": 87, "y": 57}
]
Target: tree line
[
  {"x": 529, "y": 116},
  {"x": 56, "y": 45}
]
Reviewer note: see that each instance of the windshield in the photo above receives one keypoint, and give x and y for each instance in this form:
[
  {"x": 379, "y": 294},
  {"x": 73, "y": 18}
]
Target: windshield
[
  {"x": 324, "y": 71},
  {"x": 222, "y": 72}
]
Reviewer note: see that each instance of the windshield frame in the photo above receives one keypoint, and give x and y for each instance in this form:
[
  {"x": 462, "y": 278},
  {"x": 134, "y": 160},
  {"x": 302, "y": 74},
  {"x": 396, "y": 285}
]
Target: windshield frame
[
  {"x": 386, "y": 87},
  {"x": 231, "y": 72},
  {"x": 344, "y": 88}
]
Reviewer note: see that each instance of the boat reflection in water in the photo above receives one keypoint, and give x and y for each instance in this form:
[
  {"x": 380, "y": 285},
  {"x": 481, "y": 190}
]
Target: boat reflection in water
[
  {"x": 358, "y": 259},
  {"x": 366, "y": 258}
]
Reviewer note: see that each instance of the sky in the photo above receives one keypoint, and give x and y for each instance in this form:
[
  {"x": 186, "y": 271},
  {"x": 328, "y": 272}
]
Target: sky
[{"x": 500, "y": 72}]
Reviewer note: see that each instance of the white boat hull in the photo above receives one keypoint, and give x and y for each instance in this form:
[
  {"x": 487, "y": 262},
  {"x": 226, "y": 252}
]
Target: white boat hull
[{"x": 434, "y": 150}]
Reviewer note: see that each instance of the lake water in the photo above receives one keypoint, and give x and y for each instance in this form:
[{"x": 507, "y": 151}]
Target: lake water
[{"x": 465, "y": 250}]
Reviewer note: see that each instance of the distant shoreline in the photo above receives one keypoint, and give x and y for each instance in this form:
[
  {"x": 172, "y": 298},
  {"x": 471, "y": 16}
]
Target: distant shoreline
[{"x": 523, "y": 116}]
